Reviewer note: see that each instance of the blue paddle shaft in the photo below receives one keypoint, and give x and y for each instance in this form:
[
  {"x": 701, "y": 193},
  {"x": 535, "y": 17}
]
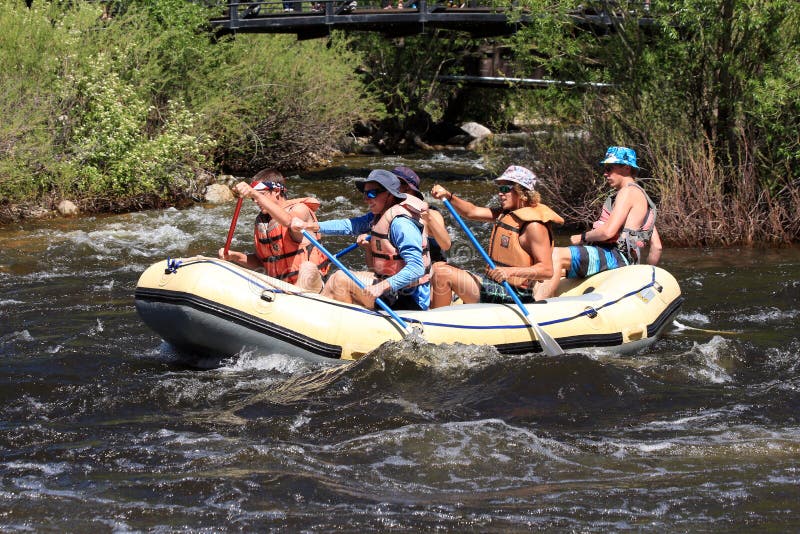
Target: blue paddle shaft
[
  {"x": 355, "y": 279},
  {"x": 486, "y": 257},
  {"x": 548, "y": 343},
  {"x": 345, "y": 250},
  {"x": 348, "y": 248}
]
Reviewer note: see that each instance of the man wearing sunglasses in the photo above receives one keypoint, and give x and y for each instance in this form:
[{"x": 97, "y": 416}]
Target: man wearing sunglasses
[
  {"x": 283, "y": 253},
  {"x": 521, "y": 244},
  {"x": 400, "y": 270},
  {"x": 626, "y": 225}
]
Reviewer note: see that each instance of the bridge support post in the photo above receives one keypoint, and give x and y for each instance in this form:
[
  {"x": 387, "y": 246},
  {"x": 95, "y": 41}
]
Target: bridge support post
[{"x": 233, "y": 13}]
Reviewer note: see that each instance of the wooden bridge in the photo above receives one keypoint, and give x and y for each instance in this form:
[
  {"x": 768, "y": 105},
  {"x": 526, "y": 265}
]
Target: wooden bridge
[{"x": 310, "y": 19}]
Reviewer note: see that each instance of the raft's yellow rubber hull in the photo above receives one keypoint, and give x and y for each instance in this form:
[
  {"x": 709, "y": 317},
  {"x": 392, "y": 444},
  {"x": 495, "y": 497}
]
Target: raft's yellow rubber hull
[{"x": 209, "y": 308}]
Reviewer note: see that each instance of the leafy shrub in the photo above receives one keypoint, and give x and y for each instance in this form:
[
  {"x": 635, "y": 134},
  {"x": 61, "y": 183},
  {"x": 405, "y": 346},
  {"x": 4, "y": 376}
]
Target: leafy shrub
[{"x": 113, "y": 151}]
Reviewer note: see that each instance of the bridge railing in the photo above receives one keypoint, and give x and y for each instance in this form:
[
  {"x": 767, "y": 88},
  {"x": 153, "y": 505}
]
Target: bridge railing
[
  {"x": 315, "y": 18},
  {"x": 252, "y": 9},
  {"x": 255, "y": 8}
]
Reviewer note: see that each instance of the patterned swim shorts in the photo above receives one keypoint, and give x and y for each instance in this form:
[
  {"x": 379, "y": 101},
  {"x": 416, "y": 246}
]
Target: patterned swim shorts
[
  {"x": 494, "y": 293},
  {"x": 589, "y": 259}
]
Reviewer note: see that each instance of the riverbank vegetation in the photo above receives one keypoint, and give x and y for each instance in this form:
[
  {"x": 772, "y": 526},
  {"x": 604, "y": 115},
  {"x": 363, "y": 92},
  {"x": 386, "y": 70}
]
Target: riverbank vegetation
[
  {"x": 133, "y": 110},
  {"x": 144, "y": 107},
  {"x": 709, "y": 97}
]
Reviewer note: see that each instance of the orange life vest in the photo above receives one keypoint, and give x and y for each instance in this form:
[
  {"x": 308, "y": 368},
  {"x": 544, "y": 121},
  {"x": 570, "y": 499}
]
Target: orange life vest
[
  {"x": 504, "y": 246},
  {"x": 279, "y": 253},
  {"x": 383, "y": 256}
]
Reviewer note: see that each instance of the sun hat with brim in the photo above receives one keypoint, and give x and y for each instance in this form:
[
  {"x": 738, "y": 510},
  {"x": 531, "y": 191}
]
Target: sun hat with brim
[
  {"x": 409, "y": 177},
  {"x": 386, "y": 179},
  {"x": 620, "y": 155},
  {"x": 520, "y": 175}
]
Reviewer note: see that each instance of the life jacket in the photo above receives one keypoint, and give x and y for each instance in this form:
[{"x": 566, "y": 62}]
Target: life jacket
[
  {"x": 279, "y": 253},
  {"x": 630, "y": 241},
  {"x": 504, "y": 246},
  {"x": 383, "y": 256}
]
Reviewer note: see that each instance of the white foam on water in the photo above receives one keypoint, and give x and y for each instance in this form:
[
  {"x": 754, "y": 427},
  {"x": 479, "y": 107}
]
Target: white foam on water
[
  {"x": 710, "y": 352},
  {"x": 769, "y": 315},
  {"x": 96, "y": 329},
  {"x": 109, "y": 285},
  {"x": 696, "y": 318},
  {"x": 695, "y": 281},
  {"x": 456, "y": 443},
  {"x": 52, "y": 469},
  {"x": 299, "y": 422},
  {"x": 253, "y": 361},
  {"x": 9, "y": 302},
  {"x": 117, "y": 526},
  {"x": 701, "y": 420},
  {"x": 20, "y": 335}
]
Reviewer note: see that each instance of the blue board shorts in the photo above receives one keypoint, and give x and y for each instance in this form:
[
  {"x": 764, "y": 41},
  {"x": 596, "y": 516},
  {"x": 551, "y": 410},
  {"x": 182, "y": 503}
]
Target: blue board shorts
[
  {"x": 587, "y": 260},
  {"x": 494, "y": 293}
]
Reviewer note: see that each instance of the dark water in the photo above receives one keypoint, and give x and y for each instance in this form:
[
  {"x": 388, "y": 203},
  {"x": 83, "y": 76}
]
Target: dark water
[{"x": 101, "y": 427}]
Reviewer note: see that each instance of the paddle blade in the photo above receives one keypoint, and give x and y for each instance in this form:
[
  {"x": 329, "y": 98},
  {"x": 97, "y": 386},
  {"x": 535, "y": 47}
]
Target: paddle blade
[{"x": 549, "y": 345}]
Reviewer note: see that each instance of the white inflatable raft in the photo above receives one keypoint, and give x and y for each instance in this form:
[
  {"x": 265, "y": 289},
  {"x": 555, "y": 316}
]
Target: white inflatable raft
[{"x": 208, "y": 308}]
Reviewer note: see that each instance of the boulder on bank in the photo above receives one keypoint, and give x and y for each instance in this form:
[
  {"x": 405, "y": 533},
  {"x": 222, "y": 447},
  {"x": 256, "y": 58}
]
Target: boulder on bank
[
  {"x": 475, "y": 130},
  {"x": 67, "y": 208},
  {"x": 218, "y": 194}
]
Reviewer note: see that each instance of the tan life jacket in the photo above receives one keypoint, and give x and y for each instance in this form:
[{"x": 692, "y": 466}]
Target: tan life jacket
[
  {"x": 504, "y": 246},
  {"x": 383, "y": 256},
  {"x": 630, "y": 241},
  {"x": 281, "y": 255}
]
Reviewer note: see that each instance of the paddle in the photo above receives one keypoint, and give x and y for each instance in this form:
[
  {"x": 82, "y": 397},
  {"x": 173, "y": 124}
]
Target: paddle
[
  {"x": 233, "y": 225},
  {"x": 355, "y": 279},
  {"x": 349, "y": 248},
  {"x": 549, "y": 345}
]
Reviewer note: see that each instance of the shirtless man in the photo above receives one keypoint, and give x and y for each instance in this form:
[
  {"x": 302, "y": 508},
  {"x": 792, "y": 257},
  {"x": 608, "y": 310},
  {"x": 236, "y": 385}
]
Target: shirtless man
[{"x": 626, "y": 225}]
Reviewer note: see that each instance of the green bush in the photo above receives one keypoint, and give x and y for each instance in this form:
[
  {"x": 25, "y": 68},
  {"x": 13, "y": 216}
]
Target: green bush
[
  {"x": 37, "y": 46},
  {"x": 279, "y": 102},
  {"x": 114, "y": 151},
  {"x": 111, "y": 110}
]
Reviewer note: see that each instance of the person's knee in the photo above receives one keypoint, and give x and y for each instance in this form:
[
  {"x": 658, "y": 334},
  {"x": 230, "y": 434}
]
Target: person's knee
[
  {"x": 334, "y": 284},
  {"x": 562, "y": 258},
  {"x": 441, "y": 275},
  {"x": 309, "y": 277}
]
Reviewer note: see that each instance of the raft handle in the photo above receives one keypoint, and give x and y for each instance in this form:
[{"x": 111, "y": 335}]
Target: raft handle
[
  {"x": 172, "y": 266},
  {"x": 658, "y": 287},
  {"x": 591, "y": 312},
  {"x": 268, "y": 295}
]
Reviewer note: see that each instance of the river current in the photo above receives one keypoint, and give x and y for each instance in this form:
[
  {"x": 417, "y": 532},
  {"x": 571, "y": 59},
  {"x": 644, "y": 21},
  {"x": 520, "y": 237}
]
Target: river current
[{"x": 102, "y": 427}]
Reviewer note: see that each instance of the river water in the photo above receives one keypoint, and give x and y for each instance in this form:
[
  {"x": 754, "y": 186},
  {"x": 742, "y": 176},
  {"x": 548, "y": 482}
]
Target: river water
[{"x": 102, "y": 428}]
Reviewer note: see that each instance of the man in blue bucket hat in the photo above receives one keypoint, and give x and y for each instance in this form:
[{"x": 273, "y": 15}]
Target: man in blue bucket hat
[{"x": 626, "y": 225}]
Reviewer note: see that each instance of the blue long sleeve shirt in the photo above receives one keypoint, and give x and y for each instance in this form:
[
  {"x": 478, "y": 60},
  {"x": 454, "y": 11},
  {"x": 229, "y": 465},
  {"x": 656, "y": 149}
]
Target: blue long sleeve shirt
[{"x": 406, "y": 238}]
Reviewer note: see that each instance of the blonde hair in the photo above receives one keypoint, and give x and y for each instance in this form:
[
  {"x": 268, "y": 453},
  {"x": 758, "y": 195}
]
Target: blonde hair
[{"x": 529, "y": 197}]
